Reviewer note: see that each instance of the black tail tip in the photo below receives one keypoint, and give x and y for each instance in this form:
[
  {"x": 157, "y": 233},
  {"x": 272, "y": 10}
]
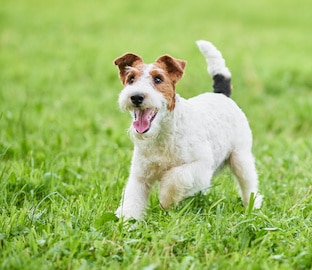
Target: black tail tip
[{"x": 222, "y": 85}]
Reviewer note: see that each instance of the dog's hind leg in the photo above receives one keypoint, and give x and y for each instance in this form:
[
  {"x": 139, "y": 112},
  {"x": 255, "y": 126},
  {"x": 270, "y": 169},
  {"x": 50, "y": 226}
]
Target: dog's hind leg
[
  {"x": 183, "y": 181},
  {"x": 243, "y": 166}
]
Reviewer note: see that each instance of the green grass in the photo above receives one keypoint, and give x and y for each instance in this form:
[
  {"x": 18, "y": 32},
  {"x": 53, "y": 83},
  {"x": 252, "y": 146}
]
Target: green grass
[{"x": 65, "y": 153}]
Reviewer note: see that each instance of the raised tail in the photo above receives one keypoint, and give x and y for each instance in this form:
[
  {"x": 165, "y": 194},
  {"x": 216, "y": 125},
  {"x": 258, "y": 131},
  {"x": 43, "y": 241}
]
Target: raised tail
[{"x": 216, "y": 67}]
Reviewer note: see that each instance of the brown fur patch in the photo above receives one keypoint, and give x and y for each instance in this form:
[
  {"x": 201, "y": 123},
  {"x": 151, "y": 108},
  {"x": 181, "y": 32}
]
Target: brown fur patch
[
  {"x": 125, "y": 62},
  {"x": 132, "y": 73},
  {"x": 166, "y": 87},
  {"x": 174, "y": 67},
  {"x": 173, "y": 70}
]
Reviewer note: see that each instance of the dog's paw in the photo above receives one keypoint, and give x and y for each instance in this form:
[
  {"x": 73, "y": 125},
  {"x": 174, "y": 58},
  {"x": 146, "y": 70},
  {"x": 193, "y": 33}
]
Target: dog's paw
[
  {"x": 128, "y": 221},
  {"x": 118, "y": 212},
  {"x": 121, "y": 213},
  {"x": 164, "y": 204},
  {"x": 128, "y": 213},
  {"x": 258, "y": 201}
]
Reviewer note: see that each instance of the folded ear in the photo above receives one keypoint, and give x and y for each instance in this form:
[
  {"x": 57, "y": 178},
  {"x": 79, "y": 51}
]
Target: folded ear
[
  {"x": 174, "y": 67},
  {"x": 124, "y": 61}
]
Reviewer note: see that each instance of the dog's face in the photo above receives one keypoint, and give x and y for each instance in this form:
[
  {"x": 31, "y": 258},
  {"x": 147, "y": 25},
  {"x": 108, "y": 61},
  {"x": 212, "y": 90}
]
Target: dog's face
[{"x": 149, "y": 89}]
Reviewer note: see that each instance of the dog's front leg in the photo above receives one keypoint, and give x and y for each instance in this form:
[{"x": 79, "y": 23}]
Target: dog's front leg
[
  {"x": 183, "y": 181},
  {"x": 135, "y": 194},
  {"x": 134, "y": 198}
]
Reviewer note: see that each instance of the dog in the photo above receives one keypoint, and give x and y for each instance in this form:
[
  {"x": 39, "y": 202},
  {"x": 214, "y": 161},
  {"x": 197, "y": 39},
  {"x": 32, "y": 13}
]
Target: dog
[{"x": 182, "y": 143}]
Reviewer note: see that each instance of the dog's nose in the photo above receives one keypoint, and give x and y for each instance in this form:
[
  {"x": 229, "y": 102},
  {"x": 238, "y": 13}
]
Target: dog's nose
[{"x": 137, "y": 99}]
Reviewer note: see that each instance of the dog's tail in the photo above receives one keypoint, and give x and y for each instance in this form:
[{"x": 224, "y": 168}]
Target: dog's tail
[{"x": 216, "y": 67}]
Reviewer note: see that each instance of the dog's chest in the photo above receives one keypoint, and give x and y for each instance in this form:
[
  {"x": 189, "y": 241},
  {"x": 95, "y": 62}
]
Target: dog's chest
[{"x": 161, "y": 157}]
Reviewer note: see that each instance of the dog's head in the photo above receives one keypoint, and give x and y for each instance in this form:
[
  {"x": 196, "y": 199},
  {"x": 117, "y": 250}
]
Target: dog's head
[{"x": 149, "y": 89}]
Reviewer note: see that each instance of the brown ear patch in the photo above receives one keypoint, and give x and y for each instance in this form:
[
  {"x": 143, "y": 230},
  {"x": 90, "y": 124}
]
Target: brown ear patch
[
  {"x": 174, "y": 67},
  {"x": 166, "y": 87},
  {"x": 125, "y": 61}
]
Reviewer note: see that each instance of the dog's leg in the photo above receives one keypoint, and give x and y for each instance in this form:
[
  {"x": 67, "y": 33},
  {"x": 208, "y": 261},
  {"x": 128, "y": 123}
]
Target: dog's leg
[
  {"x": 134, "y": 199},
  {"x": 183, "y": 181},
  {"x": 243, "y": 166}
]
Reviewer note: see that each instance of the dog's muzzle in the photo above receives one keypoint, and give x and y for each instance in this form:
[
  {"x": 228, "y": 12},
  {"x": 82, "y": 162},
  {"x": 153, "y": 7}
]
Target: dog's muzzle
[
  {"x": 137, "y": 99},
  {"x": 143, "y": 117}
]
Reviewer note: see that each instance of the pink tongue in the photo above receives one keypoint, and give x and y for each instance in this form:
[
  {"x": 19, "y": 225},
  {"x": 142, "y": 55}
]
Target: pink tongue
[{"x": 142, "y": 122}]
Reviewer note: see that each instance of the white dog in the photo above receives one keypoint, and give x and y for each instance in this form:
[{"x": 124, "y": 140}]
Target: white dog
[{"x": 182, "y": 143}]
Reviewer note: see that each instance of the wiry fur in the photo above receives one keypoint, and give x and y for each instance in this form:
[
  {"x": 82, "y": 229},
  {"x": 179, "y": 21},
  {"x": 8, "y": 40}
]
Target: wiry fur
[{"x": 181, "y": 142}]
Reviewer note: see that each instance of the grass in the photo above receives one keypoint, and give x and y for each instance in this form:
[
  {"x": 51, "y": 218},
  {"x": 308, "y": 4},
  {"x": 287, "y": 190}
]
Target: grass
[{"x": 65, "y": 154}]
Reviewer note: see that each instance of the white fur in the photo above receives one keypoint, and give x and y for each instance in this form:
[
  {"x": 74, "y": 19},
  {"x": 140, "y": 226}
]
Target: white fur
[
  {"x": 215, "y": 61},
  {"x": 186, "y": 146}
]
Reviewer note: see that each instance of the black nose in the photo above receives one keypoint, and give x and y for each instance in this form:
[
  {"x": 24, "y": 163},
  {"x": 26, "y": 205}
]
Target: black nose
[{"x": 137, "y": 99}]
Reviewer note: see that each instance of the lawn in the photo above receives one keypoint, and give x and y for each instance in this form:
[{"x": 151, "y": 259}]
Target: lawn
[{"x": 65, "y": 152}]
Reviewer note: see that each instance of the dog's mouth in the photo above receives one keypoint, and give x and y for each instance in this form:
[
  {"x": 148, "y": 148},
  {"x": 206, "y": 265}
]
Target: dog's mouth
[{"x": 143, "y": 119}]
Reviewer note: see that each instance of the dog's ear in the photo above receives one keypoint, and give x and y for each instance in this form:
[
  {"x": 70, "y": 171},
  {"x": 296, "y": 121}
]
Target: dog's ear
[
  {"x": 174, "y": 67},
  {"x": 124, "y": 61}
]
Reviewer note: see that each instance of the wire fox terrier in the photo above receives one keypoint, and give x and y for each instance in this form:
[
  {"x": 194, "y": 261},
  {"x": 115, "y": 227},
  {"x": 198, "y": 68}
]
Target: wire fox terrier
[{"x": 182, "y": 142}]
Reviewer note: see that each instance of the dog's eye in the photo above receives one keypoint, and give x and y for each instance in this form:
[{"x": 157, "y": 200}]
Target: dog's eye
[
  {"x": 157, "y": 80},
  {"x": 131, "y": 80}
]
